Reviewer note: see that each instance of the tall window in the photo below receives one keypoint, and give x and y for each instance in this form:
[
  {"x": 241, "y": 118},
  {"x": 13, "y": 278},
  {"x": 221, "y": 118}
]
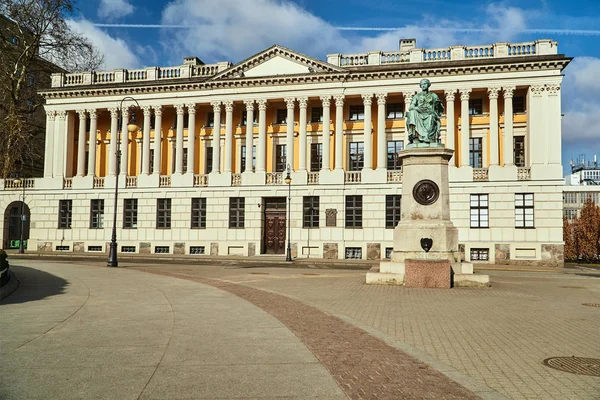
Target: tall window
[
  {"x": 475, "y": 107},
  {"x": 393, "y": 147},
  {"x": 316, "y": 157},
  {"x": 479, "y": 211},
  {"x": 353, "y": 211},
  {"x": 151, "y": 161},
  {"x": 395, "y": 111},
  {"x": 280, "y": 158},
  {"x": 236, "y": 212},
  {"x": 185, "y": 158},
  {"x": 65, "y": 214},
  {"x": 475, "y": 152},
  {"x": 209, "y": 159},
  {"x": 97, "y": 214},
  {"x": 130, "y": 207},
  {"x": 519, "y": 150},
  {"x": 518, "y": 104},
  {"x": 357, "y": 156},
  {"x": 153, "y": 121},
  {"x": 524, "y": 210},
  {"x": 357, "y": 113},
  {"x": 392, "y": 210},
  {"x": 210, "y": 119},
  {"x": 199, "y": 213},
  {"x": 310, "y": 211},
  {"x": 163, "y": 213},
  {"x": 244, "y": 158},
  {"x": 316, "y": 114},
  {"x": 281, "y": 116},
  {"x": 245, "y": 118}
]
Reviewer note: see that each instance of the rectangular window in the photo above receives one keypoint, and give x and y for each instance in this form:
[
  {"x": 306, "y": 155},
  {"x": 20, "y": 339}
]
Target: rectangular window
[
  {"x": 280, "y": 162},
  {"x": 524, "y": 210},
  {"x": 353, "y": 253},
  {"x": 130, "y": 213},
  {"x": 281, "y": 116},
  {"x": 357, "y": 113},
  {"x": 570, "y": 213},
  {"x": 163, "y": 213},
  {"x": 245, "y": 118},
  {"x": 570, "y": 198},
  {"x": 209, "y": 160},
  {"x": 174, "y": 124},
  {"x": 316, "y": 157},
  {"x": 395, "y": 111},
  {"x": 356, "y": 157},
  {"x": 316, "y": 114},
  {"x": 393, "y": 147},
  {"x": 153, "y": 121},
  {"x": 151, "y": 161},
  {"x": 479, "y": 211},
  {"x": 97, "y": 214},
  {"x": 236, "y": 212},
  {"x": 87, "y": 161},
  {"x": 475, "y": 106},
  {"x": 199, "y": 213},
  {"x": 185, "y": 158},
  {"x": 186, "y": 121},
  {"x": 243, "y": 166},
  {"x": 519, "y": 150},
  {"x": 518, "y": 104},
  {"x": 196, "y": 249},
  {"x": 210, "y": 119},
  {"x": 65, "y": 214},
  {"x": 480, "y": 254},
  {"x": 353, "y": 211},
  {"x": 392, "y": 210},
  {"x": 475, "y": 152},
  {"x": 310, "y": 208}
]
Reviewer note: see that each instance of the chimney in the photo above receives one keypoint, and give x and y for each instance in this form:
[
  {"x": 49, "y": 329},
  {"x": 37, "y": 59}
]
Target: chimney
[
  {"x": 408, "y": 44},
  {"x": 192, "y": 61}
]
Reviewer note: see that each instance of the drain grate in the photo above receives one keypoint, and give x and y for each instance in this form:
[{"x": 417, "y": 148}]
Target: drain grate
[
  {"x": 591, "y": 304},
  {"x": 575, "y": 365}
]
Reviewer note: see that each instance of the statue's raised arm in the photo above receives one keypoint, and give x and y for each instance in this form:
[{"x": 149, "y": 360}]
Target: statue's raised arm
[{"x": 423, "y": 117}]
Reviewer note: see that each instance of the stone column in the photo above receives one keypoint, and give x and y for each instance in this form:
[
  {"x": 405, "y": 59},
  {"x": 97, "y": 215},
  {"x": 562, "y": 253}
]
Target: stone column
[
  {"x": 173, "y": 145},
  {"x": 191, "y": 158},
  {"x": 49, "y": 144},
  {"x": 381, "y": 135},
  {"x": 554, "y": 123},
  {"x": 59, "y": 143},
  {"x": 114, "y": 138},
  {"x": 339, "y": 133},
  {"x": 325, "y": 160},
  {"x": 92, "y": 142},
  {"x": 507, "y": 133},
  {"x": 140, "y": 151},
  {"x": 368, "y": 132},
  {"x": 289, "y": 137},
  {"x": 249, "y": 134},
  {"x": 81, "y": 143},
  {"x": 179, "y": 108},
  {"x": 216, "y": 143},
  {"x": 494, "y": 137},
  {"x": 302, "y": 103},
  {"x": 145, "y": 167},
  {"x": 465, "y": 128},
  {"x": 261, "y": 148},
  {"x": 537, "y": 151},
  {"x": 450, "y": 120},
  {"x": 228, "y": 135},
  {"x": 157, "y": 139},
  {"x": 124, "y": 142}
]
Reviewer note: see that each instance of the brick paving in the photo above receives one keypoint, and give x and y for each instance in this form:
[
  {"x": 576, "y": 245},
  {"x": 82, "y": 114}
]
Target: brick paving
[{"x": 365, "y": 367}]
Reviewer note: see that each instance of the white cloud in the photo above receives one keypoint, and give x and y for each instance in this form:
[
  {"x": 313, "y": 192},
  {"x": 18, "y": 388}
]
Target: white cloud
[
  {"x": 114, "y": 8},
  {"x": 117, "y": 53},
  {"x": 511, "y": 20}
]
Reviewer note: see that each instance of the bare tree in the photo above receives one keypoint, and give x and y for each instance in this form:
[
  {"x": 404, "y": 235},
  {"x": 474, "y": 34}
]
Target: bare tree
[{"x": 35, "y": 41}]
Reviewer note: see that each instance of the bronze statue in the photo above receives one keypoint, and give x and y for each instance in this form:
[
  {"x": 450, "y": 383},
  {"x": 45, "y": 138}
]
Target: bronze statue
[{"x": 423, "y": 116}]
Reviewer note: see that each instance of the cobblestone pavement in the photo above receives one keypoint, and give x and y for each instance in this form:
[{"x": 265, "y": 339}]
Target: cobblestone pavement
[{"x": 498, "y": 336}]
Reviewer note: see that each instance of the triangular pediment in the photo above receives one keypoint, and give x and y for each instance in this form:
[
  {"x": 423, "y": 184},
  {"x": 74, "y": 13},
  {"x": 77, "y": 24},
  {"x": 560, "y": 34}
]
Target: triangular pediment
[{"x": 276, "y": 61}]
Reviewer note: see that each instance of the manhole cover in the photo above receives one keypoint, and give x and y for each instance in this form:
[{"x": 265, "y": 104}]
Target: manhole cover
[
  {"x": 575, "y": 365},
  {"x": 591, "y": 304}
]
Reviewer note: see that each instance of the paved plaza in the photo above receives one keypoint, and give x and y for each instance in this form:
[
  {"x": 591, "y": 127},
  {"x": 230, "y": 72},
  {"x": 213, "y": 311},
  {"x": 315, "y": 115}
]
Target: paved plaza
[{"x": 80, "y": 330}]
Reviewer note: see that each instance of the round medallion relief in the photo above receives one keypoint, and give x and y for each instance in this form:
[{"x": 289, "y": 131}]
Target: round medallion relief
[{"x": 426, "y": 192}]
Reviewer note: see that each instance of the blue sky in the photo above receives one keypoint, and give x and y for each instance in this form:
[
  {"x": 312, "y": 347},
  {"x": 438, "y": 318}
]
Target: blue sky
[{"x": 231, "y": 30}]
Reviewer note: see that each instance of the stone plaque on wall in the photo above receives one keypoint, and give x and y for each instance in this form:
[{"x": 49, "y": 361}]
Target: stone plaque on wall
[{"x": 330, "y": 217}]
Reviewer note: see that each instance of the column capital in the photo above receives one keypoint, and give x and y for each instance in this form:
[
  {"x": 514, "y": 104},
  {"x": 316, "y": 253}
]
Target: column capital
[
  {"x": 493, "y": 92},
  {"x": 228, "y": 106},
  {"x": 367, "y": 99},
  {"x": 249, "y": 105},
  {"x": 179, "y": 108},
  {"x": 290, "y": 102},
  {"x": 508, "y": 91},
  {"x": 93, "y": 113},
  {"x": 114, "y": 112},
  {"x": 408, "y": 97},
  {"x": 339, "y": 100},
  {"x": 450, "y": 94},
  {"x": 147, "y": 110},
  {"x": 325, "y": 101},
  {"x": 216, "y": 105},
  {"x": 537, "y": 90},
  {"x": 302, "y": 102},
  {"x": 51, "y": 114},
  {"x": 61, "y": 114},
  {"x": 81, "y": 114},
  {"x": 157, "y": 111},
  {"x": 191, "y": 107},
  {"x": 553, "y": 89},
  {"x": 381, "y": 98},
  {"x": 262, "y": 104},
  {"x": 464, "y": 94}
]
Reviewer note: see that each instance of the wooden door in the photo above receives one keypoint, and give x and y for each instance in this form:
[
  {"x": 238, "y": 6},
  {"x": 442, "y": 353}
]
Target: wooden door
[{"x": 274, "y": 228}]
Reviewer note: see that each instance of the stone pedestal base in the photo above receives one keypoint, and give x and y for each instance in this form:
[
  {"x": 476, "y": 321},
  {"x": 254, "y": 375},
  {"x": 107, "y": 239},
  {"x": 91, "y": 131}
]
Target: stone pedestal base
[{"x": 428, "y": 274}]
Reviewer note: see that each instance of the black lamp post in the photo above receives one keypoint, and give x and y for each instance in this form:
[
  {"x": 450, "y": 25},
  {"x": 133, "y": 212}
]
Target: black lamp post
[
  {"x": 131, "y": 127},
  {"x": 288, "y": 181},
  {"x": 19, "y": 181}
]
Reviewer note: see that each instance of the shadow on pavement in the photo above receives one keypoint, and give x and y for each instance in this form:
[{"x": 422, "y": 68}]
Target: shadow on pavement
[{"x": 34, "y": 285}]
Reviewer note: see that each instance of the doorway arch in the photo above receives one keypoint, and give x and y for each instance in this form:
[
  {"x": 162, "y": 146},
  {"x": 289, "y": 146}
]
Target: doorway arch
[{"x": 12, "y": 224}]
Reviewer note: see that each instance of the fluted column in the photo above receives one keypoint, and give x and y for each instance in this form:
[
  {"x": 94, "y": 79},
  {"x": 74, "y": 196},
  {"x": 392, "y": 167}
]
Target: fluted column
[
  {"x": 465, "y": 128},
  {"x": 191, "y": 158},
  {"x": 124, "y": 142},
  {"x": 507, "y": 133},
  {"x": 303, "y": 104},
  {"x": 368, "y": 131},
  {"x": 114, "y": 138},
  {"x": 157, "y": 139},
  {"x": 59, "y": 144},
  {"x": 81, "y": 143},
  {"x": 289, "y": 137},
  {"x": 261, "y": 148},
  {"x": 216, "y": 143},
  {"x": 49, "y": 144},
  {"x": 228, "y": 135},
  {"x": 450, "y": 119},
  {"x": 494, "y": 137},
  {"x": 92, "y": 142},
  {"x": 326, "y": 101},
  {"x": 381, "y": 136},
  {"x": 145, "y": 168},
  {"x": 339, "y": 132},
  {"x": 180, "y": 110},
  {"x": 249, "y": 134}
]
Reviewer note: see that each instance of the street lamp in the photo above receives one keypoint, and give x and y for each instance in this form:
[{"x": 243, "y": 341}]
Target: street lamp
[
  {"x": 288, "y": 181},
  {"x": 17, "y": 182},
  {"x": 131, "y": 127}
]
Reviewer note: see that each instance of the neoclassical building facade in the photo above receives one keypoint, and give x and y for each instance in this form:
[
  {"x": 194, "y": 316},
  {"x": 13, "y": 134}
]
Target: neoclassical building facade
[{"x": 204, "y": 171}]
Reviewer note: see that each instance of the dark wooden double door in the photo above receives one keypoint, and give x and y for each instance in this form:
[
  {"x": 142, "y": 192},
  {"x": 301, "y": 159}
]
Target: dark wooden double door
[{"x": 274, "y": 225}]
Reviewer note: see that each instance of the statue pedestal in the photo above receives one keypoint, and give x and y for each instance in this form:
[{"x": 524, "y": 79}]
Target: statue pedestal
[{"x": 425, "y": 219}]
